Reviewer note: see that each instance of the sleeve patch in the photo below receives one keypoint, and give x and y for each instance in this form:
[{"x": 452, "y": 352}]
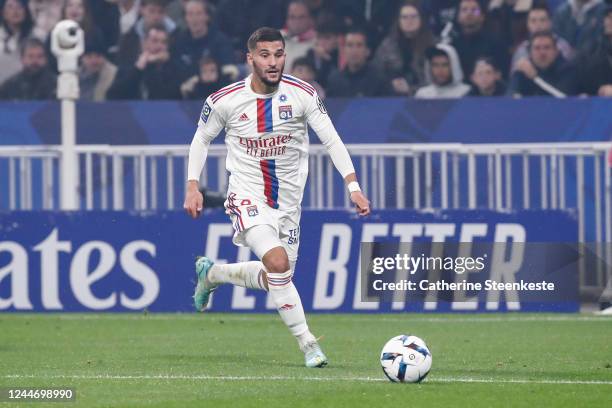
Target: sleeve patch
[{"x": 205, "y": 112}]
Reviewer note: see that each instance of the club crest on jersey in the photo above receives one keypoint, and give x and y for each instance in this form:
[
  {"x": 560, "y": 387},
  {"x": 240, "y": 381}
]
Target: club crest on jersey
[
  {"x": 205, "y": 112},
  {"x": 285, "y": 112},
  {"x": 252, "y": 211}
]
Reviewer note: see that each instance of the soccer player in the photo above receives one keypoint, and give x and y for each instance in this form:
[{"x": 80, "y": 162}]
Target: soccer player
[{"x": 265, "y": 118}]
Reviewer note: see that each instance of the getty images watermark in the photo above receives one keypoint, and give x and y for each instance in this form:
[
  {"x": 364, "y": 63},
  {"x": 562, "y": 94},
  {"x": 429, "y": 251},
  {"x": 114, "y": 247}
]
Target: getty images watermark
[{"x": 473, "y": 273}]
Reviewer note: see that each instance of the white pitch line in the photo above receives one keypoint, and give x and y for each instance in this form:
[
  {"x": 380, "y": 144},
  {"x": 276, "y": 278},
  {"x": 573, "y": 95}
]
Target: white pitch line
[
  {"x": 415, "y": 318},
  {"x": 287, "y": 378}
]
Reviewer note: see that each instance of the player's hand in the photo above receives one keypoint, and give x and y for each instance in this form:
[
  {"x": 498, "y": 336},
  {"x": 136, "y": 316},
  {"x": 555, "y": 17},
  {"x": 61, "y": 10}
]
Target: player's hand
[
  {"x": 194, "y": 201},
  {"x": 361, "y": 203}
]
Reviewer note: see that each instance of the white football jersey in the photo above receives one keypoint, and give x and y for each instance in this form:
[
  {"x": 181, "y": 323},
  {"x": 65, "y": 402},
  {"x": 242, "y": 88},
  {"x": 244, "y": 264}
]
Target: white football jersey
[{"x": 266, "y": 137}]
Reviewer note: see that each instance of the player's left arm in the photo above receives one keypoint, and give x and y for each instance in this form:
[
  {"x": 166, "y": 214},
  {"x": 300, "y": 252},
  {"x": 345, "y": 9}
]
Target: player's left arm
[{"x": 319, "y": 121}]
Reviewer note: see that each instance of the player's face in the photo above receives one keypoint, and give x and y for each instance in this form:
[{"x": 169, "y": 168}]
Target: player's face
[{"x": 268, "y": 61}]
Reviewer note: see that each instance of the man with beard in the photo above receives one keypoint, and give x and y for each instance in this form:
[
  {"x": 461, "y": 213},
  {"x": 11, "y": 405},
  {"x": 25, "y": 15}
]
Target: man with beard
[
  {"x": 266, "y": 118},
  {"x": 35, "y": 81}
]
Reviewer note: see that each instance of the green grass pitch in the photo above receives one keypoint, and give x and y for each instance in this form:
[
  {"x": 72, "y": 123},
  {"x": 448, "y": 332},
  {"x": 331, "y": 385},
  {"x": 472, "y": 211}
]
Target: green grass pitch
[{"x": 240, "y": 360}]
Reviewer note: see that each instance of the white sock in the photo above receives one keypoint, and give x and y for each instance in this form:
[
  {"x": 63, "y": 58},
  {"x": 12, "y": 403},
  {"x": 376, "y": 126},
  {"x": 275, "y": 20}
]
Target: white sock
[
  {"x": 289, "y": 306},
  {"x": 246, "y": 274}
]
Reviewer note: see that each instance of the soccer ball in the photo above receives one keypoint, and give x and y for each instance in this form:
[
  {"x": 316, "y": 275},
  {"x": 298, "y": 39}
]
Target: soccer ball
[{"x": 405, "y": 359}]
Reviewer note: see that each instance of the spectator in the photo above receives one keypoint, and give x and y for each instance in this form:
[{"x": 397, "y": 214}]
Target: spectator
[
  {"x": 325, "y": 54},
  {"x": 45, "y": 15},
  {"x": 486, "y": 79},
  {"x": 578, "y": 21},
  {"x": 401, "y": 55},
  {"x": 15, "y": 26},
  {"x": 596, "y": 63},
  {"x": 239, "y": 18},
  {"x": 152, "y": 13},
  {"x": 358, "y": 78},
  {"x": 299, "y": 32},
  {"x": 545, "y": 73},
  {"x": 440, "y": 13},
  {"x": 349, "y": 13},
  {"x": 201, "y": 39},
  {"x": 78, "y": 10},
  {"x": 208, "y": 80},
  {"x": 472, "y": 41},
  {"x": 508, "y": 21},
  {"x": 538, "y": 20},
  {"x": 154, "y": 75},
  {"x": 304, "y": 70},
  {"x": 380, "y": 15},
  {"x": 176, "y": 11},
  {"x": 35, "y": 81},
  {"x": 105, "y": 15},
  {"x": 129, "y": 12},
  {"x": 444, "y": 74},
  {"x": 96, "y": 73}
]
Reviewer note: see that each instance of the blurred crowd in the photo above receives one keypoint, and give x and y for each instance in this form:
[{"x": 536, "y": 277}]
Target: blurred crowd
[{"x": 187, "y": 49}]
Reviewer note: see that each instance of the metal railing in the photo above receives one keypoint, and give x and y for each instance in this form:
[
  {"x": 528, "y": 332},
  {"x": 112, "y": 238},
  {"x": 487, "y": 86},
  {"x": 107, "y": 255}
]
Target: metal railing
[{"x": 499, "y": 177}]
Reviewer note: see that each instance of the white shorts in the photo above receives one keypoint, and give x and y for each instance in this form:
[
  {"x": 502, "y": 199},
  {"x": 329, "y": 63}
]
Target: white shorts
[{"x": 245, "y": 213}]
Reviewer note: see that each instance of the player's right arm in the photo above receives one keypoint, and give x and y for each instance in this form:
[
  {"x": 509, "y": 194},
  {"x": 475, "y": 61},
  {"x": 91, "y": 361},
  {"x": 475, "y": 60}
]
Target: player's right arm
[{"x": 209, "y": 126}]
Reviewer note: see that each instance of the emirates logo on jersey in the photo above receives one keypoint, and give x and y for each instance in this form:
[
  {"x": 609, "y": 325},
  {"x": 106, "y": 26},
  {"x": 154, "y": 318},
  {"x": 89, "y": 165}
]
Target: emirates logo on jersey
[{"x": 266, "y": 147}]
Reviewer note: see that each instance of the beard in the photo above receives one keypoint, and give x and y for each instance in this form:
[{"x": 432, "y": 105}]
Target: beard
[
  {"x": 261, "y": 73},
  {"x": 33, "y": 71}
]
